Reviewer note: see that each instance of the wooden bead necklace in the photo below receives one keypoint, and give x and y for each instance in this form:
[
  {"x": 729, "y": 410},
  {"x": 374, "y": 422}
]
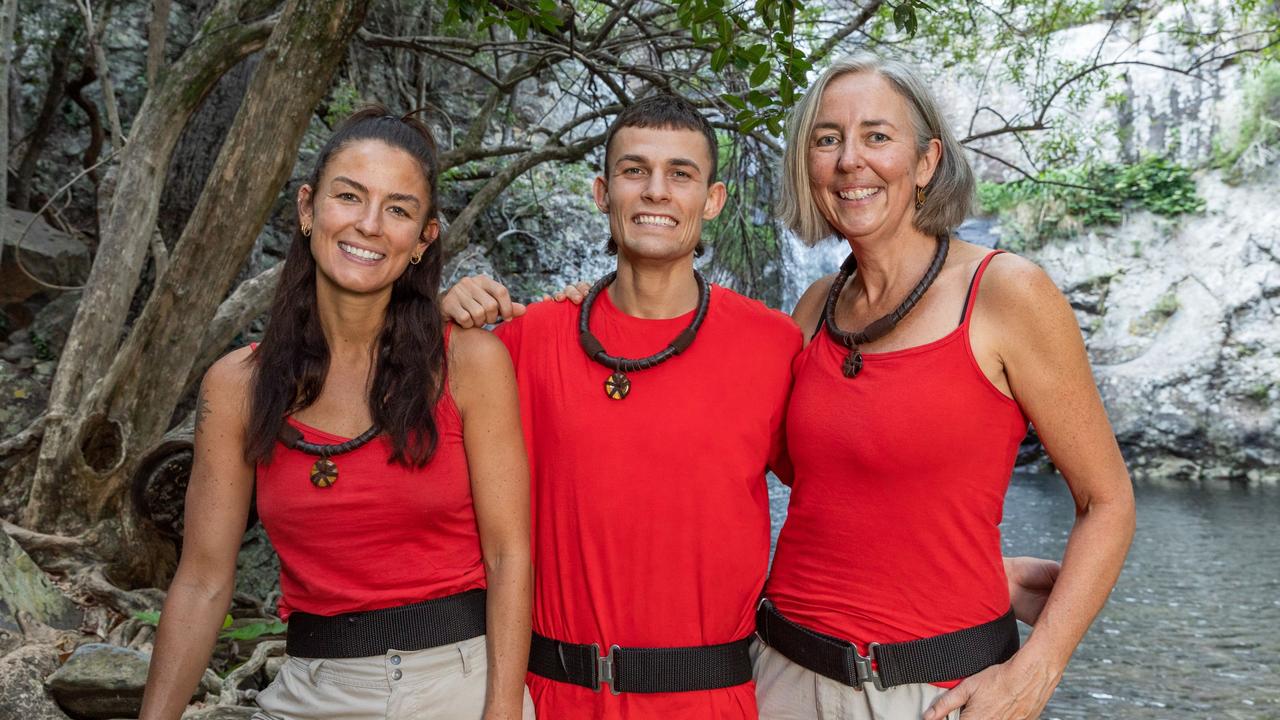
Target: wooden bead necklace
[
  {"x": 324, "y": 473},
  {"x": 617, "y": 386},
  {"x": 853, "y": 361}
]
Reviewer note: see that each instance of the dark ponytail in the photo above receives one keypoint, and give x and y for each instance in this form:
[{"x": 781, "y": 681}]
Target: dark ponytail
[{"x": 409, "y": 372}]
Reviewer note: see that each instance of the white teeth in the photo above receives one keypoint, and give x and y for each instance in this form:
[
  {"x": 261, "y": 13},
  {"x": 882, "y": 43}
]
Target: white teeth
[
  {"x": 858, "y": 194},
  {"x": 655, "y": 220},
  {"x": 360, "y": 252}
]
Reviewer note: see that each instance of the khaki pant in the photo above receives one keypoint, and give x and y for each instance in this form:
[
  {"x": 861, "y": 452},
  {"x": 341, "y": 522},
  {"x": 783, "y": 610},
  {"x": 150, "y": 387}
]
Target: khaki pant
[
  {"x": 444, "y": 683},
  {"x": 787, "y": 691}
]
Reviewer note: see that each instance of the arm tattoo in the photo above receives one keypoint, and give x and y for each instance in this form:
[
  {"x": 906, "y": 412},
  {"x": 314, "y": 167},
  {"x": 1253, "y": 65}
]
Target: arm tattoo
[{"x": 202, "y": 409}]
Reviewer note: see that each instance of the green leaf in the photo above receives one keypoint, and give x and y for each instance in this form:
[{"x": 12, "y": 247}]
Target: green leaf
[
  {"x": 255, "y": 630},
  {"x": 900, "y": 14},
  {"x": 759, "y": 99},
  {"x": 756, "y": 52},
  {"x": 775, "y": 125},
  {"x": 760, "y": 74},
  {"x": 734, "y": 101},
  {"x": 150, "y": 617},
  {"x": 719, "y": 58},
  {"x": 226, "y": 621}
]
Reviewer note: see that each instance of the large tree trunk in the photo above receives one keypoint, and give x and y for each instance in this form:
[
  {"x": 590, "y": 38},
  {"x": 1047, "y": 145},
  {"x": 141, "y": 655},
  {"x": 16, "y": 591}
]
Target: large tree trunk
[
  {"x": 139, "y": 391},
  {"x": 198, "y": 148},
  {"x": 224, "y": 40}
]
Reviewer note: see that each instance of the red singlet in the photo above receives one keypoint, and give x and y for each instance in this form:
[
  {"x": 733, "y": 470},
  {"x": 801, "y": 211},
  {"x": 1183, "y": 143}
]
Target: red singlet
[
  {"x": 900, "y": 475},
  {"x": 383, "y": 535},
  {"x": 650, "y": 514}
]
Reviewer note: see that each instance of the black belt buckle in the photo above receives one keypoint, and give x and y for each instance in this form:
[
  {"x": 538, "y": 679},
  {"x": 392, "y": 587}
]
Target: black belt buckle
[
  {"x": 864, "y": 667},
  {"x": 606, "y": 669}
]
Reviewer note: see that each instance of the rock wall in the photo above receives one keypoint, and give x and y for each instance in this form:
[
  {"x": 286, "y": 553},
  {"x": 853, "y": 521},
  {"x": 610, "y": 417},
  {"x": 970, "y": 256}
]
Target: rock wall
[{"x": 1182, "y": 322}]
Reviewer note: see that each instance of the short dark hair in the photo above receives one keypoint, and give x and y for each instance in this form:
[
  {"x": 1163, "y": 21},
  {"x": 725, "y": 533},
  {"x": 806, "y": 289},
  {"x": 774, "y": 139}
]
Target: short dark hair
[{"x": 665, "y": 112}]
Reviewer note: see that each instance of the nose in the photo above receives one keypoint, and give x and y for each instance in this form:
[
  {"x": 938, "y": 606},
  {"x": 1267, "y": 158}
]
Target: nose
[
  {"x": 657, "y": 189},
  {"x": 370, "y": 222},
  {"x": 850, "y": 157}
]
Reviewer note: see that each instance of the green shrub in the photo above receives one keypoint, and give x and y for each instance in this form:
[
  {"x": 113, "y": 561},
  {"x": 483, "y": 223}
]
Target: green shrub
[
  {"x": 1258, "y": 135},
  {"x": 1063, "y": 202}
]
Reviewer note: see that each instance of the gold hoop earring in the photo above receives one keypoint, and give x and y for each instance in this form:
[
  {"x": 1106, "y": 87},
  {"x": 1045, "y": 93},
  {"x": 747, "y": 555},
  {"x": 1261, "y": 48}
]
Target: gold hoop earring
[
  {"x": 415, "y": 259},
  {"x": 306, "y": 230},
  {"x": 920, "y": 198}
]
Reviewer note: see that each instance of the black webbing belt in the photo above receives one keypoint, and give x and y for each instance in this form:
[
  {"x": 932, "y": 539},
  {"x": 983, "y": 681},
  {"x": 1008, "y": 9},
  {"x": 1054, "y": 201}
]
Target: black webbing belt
[
  {"x": 642, "y": 670},
  {"x": 423, "y": 625},
  {"x": 940, "y": 658}
]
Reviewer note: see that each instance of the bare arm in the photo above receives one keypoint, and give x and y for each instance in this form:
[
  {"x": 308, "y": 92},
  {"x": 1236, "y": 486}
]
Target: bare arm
[
  {"x": 217, "y": 506},
  {"x": 484, "y": 386},
  {"x": 1048, "y": 373}
]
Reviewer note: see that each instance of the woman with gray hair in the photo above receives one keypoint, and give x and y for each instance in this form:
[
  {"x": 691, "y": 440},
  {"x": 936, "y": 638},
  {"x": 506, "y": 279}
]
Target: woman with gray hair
[{"x": 926, "y": 357}]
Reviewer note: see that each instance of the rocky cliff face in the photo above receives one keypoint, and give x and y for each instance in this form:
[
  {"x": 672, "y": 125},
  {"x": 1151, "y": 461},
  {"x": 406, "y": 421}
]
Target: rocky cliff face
[{"x": 1182, "y": 322}]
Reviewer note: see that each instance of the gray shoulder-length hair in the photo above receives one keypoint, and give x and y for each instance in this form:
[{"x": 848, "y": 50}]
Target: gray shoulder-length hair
[{"x": 949, "y": 195}]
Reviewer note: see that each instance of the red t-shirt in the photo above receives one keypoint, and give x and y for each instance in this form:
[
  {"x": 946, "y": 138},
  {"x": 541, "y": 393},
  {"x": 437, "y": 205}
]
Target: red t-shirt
[
  {"x": 892, "y": 532},
  {"x": 381, "y": 536},
  {"x": 650, "y": 514}
]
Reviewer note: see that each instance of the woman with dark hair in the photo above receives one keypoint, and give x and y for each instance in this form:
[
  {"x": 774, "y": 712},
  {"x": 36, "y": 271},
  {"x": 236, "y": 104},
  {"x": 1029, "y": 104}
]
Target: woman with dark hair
[
  {"x": 926, "y": 357},
  {"x": 390, "y": 471}
]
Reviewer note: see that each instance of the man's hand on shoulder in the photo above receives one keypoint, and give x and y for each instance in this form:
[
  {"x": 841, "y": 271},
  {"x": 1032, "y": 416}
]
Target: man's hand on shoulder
[
  {"x": 574, "y": 293},
  {"x": 479, "y": 300}
]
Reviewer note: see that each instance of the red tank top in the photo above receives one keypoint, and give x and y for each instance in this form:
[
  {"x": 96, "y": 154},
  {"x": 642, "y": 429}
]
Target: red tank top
[
  {"x": 383, "y": 535},
  {"x": 900, "y": 475}
]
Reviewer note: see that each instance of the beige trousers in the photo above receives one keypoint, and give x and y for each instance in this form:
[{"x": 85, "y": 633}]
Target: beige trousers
[
  {"x": 444, "y": 683},
  {"x": 787, "y": 691}
]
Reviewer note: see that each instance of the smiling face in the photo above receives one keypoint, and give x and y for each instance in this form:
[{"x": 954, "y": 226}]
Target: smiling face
[
  {"x": 657, "y": 192},
  {"x": 863, "y": 164},
  {"x": 368, "y": 216}
]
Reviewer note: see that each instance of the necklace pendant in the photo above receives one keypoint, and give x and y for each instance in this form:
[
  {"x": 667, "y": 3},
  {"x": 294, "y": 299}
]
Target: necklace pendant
[
  {"x": 852, "y": 364},
  {"x": 324, "y": 473},
  {"x": 617, "y": 386}
]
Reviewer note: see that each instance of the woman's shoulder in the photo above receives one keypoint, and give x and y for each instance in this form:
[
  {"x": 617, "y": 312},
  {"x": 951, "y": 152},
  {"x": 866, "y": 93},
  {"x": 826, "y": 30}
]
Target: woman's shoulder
[
  {"x": 809, "y": 307},
  {"x": 475, "y": 350},
  {"x": 1019, "y": 297},
  {"x": 231, "y": 373},
  {"x": 1015, "y": 279}
]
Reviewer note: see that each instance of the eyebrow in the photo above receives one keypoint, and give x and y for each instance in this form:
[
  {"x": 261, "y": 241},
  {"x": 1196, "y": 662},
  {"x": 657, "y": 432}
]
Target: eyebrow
[
  {"x": 397, "y": 197},
  {"x": 865, "y": 123},
  {"x": 677, "y": 162}
]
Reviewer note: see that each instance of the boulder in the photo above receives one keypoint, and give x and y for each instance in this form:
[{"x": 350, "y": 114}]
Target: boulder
[
  {"x": 51, "y": 255},
  {"x": 100, "y": 681},
  {"x": 22, "y": 690},
  {"x": 24, "y": 588},
  {"x": 1182, "y": 322},
  {"x": 22, "y": 396},
  {"x": 257, "y": 566}
]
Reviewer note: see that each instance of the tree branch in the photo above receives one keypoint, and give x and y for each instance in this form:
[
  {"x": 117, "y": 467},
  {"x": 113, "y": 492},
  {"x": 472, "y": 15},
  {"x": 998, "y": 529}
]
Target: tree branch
[{"x": 457, "y": 236}]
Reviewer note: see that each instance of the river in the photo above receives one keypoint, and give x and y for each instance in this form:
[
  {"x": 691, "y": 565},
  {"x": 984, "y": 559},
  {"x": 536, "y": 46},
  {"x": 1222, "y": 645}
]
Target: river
[{"x": 1192, "y": 629}]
